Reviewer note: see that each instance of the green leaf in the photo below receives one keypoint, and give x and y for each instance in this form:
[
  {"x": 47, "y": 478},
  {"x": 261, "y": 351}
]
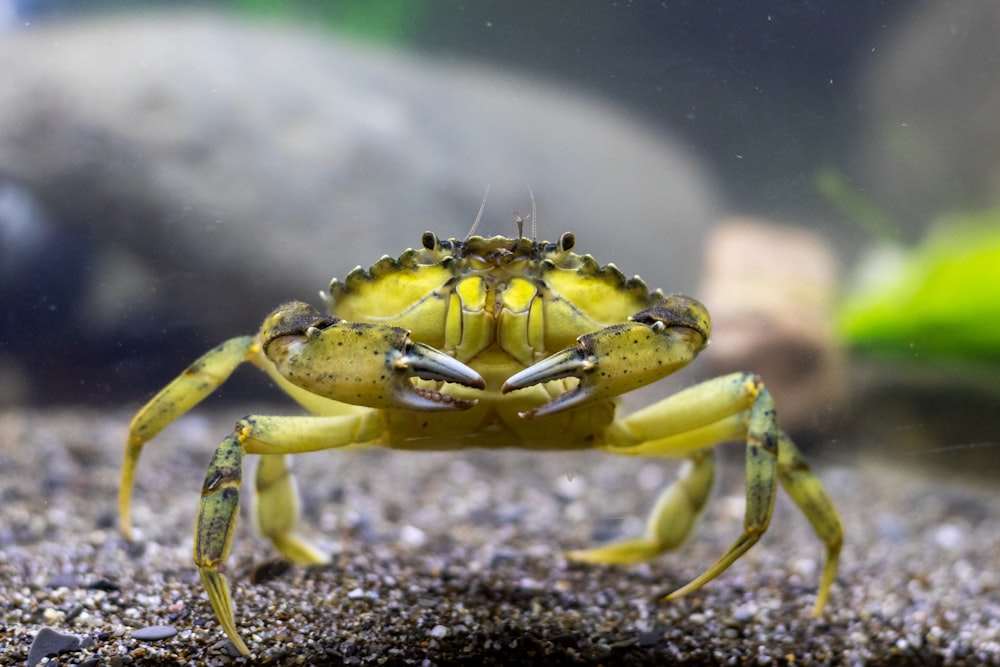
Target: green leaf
[{"x": 940, "y": 300}]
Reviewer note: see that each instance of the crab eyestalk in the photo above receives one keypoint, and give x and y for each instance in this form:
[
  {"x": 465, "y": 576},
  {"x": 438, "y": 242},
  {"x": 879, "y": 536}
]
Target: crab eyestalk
[{"x": 374, "y": 365}]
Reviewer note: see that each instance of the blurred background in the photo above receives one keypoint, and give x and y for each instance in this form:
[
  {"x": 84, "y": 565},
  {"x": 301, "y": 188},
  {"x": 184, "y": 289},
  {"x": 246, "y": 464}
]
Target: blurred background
[{"x": 824, "y": 178}]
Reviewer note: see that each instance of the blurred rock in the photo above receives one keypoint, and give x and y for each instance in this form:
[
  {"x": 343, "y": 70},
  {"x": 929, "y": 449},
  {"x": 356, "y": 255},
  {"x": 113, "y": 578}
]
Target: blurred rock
[
  {"x": 206, "y": 169},
  {"x": 932, "y": 141},
  {"x": 41, "y": 286},
  {"x": 770, "y": 290}
]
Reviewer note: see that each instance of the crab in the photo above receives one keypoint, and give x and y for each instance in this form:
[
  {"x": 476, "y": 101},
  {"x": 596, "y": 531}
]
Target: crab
[{"x": 485, "y": 342}]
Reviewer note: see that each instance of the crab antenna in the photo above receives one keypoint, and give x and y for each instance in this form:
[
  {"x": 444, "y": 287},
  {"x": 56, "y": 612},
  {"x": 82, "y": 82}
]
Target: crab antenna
[
  {"x": 534, "y": 217},
  {"x": 519, "y": 221},
  {"x": 479, "y": 216}
]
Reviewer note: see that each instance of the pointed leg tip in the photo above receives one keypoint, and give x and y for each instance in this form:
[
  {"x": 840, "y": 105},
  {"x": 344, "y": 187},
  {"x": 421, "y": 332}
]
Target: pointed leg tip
[
  {"x": 222, "y": 604},
  {"x": 125, "y": 523},
  {"x": 680, "y": 592},
  {"x": 595, "y": 556},
  {"x": 623, "y": 552},
  {"x": 300, "y": 551},
  {"x": 821, "y": 598},
  {"x": 240, "y": 646}
]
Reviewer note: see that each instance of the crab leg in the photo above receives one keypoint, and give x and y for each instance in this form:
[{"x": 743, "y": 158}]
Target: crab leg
[
  {"x": 187, "y": 390},
  {"x": 276, "y": 506},
  {"x": 805, "y": 490},
  {"x": 218, "y": 509},
  {"x": 727, "y": 408},
  {"x": 213, "y": 533}
]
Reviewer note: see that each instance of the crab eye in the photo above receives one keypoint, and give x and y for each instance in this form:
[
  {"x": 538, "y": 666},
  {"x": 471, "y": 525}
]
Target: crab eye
[
  {"x": 567, "y": 241},
  {"x": 429, "y": 240}
]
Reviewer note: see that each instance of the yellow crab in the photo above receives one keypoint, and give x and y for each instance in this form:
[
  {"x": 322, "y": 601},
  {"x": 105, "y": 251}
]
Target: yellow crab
[{"x": 485, "y": 342}]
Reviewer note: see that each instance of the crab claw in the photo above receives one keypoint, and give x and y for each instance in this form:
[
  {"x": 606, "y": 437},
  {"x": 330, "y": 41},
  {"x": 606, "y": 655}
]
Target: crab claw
[
  {"x": 571, "y": 362},
  {"x": 361, "y": 363},
  {"x": 424, "y": 362},
  {"x": 651, "y": 345}
]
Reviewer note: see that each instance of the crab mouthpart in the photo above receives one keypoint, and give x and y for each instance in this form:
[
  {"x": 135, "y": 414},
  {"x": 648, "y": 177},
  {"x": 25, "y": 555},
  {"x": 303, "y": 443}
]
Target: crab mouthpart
[
  {"x": 424, "y": 362},
  {"x": 569, "y": 363}
]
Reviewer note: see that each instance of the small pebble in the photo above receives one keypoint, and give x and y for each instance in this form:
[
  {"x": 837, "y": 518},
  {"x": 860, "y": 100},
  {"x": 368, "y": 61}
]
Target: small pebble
[
  {"x": 649, "y": 638},
  {"x": 103, "y": 584},
  {"x": 412, "y": 536},
  {"x": 73, "y": 613},
  {"x": 948, "y": 536},
  {"x": 154, "y": 633},
  {"x": 49, "y": 642},
  {"x": 744, "y": 614},
  {"x": 64, "y": 580},
  {"x": 570, "y": 487},
  {"x": 52, "y": 616}
]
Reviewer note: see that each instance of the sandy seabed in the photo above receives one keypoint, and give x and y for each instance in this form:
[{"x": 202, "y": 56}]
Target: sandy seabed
[{"x": 455, "y": 558}]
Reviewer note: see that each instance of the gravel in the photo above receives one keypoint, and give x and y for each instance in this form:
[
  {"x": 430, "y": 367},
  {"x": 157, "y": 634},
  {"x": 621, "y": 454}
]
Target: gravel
[{"x": 455, "y": 559}]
